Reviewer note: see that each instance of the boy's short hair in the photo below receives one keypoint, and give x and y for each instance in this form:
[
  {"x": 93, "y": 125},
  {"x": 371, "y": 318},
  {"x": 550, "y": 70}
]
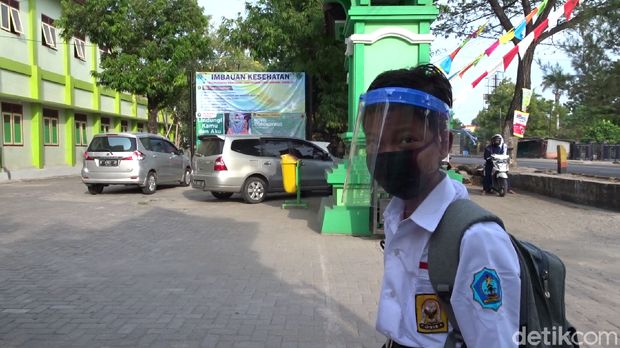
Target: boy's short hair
[{"x": 426, "y": 78}]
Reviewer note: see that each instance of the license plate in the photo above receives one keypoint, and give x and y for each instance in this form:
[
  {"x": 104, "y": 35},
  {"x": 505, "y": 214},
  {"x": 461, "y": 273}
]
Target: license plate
[{"x": 108, "y": 163}]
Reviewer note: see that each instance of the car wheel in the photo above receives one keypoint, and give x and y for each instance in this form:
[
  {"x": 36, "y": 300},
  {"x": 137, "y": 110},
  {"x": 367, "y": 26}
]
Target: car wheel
[
  {"x": 95, "y": 189},
  {"x": 221, "y": 195},
  {"x": 187, "y": 177},
  {"x": 151, "y": 184},
  {"x": 254, "y": 190}
]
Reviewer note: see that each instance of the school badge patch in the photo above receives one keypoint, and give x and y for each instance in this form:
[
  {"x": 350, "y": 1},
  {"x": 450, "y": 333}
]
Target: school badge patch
[
  {"x": 430, "y": 318},
  {"x": 487, "y": 289}
]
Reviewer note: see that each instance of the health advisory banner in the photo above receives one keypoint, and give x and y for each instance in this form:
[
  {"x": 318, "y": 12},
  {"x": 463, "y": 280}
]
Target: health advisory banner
[{"x": 260, "y": 103}]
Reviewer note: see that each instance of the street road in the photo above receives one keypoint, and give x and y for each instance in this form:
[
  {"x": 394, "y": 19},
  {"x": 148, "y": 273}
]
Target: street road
[
  {"x": 182, "y": 269},
  {"x": 604, "y": 169}
]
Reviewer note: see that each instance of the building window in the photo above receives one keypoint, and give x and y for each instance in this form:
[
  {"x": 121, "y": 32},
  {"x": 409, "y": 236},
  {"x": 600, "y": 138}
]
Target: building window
[
  {"x": 49, "y": 32},
  {"x": 12, "y": 130},
  {"x": 79, "y": 51},
  {"x": 140, "y": 127},
  {"x": 80, "y": 130},
  {"x": 50, "y": 127},
  {"x": 10, "y": 19},
  {"x": 124, "y": 126},
  {"x": 105, "y": 125}
]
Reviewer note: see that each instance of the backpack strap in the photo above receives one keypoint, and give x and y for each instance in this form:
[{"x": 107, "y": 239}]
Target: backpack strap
[{"x": 444, "y": 252}]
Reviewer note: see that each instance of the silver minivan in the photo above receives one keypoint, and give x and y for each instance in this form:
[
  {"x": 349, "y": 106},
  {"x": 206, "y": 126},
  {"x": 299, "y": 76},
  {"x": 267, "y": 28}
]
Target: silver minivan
[
  {"x": 141, "y": 159},
  {"x": 251, "y": 165}
]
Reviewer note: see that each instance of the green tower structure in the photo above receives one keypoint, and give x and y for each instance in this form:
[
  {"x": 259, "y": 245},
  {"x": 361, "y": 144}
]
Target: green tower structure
[{"x": 380, "y": 35}]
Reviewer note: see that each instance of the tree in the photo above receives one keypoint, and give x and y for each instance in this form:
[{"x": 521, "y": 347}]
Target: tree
[
  {"x": 460, "y": 18},
  {"x": 603, "y": 131},
  {"x": 595, "y": 90},
  {"x": 555, "y": 79},
  {"x": 290, "y": 35},
  {"x": 491, "y": 119},
  {"x": 148, "y": 44}
]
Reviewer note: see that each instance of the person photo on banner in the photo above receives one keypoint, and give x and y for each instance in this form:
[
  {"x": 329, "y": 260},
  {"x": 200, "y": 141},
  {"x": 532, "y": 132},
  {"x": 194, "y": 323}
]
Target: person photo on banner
[{"x": 238, "y": 123}]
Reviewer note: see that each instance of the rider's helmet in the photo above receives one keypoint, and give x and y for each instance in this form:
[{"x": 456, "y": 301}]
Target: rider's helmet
[{"x": 497, "y": 140}]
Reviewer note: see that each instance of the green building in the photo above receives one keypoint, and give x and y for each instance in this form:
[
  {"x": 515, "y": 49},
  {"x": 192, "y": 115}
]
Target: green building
[{"x": 51, "y": 105}]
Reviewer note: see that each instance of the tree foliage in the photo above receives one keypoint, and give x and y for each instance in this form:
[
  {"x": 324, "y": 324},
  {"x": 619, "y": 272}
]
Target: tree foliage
[
  {"x": 289, "y": 35},
  {"x": 462, "y": 17},
  {"x": 148, "y": 44},
  {"x": 490, "y": 120},
  {"x": 594, "y": 94}
]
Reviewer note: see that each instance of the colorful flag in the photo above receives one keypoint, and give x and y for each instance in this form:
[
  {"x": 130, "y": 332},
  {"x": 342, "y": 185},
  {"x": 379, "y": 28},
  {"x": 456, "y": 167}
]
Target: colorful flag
[
  {"x": 492, "y": 48},
  {"x": 446, "y": 64},
  {"x": 470, "y": 65},
  {"x": 508, "y": 57},
  {"x": 541, "y": 28},
  {"x": 519, "y": 123},
  {"x": 507, "y": 37},
  {"x": 520, "y": 30},
  {"x": 569, "y": 6},
  {"x": 527, "y": 98},
  {"x": 525, "y": 44},
  {"x": 477, "y": 81},
  {"x": 542, "y": 6}
]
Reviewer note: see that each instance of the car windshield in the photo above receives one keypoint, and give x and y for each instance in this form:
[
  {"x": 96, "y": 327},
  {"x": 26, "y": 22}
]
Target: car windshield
[
  {"x": 210, "y": 146},
  {"x": 112, "y": 144}
]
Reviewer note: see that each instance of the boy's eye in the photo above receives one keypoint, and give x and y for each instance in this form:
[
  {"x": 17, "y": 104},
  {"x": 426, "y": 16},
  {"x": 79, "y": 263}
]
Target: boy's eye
[{"x": 406, "y": 140}]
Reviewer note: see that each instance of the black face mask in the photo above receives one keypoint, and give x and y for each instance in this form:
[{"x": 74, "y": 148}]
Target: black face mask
[{"x": 399, "y": 174}]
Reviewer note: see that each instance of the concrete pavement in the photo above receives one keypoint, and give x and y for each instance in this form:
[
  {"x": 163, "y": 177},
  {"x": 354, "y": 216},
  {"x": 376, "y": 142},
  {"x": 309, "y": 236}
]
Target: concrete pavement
[{"x": 181, "y": 269}]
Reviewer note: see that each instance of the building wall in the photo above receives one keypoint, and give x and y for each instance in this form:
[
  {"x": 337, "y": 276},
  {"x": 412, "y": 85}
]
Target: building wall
[{"x": 36, "y": 77}]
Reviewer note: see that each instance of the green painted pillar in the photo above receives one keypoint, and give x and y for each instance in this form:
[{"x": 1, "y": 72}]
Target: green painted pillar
[
  {"x": 96, "y": 124},
  {"x": 116, "y": 124},
  {"x": 96, "y": 101},
  {"x": 70, "y": 137},
  {"x": 69, "y": 113},
  {"x": 36, "y": 135},
  {"x": 36, "y": 121}
]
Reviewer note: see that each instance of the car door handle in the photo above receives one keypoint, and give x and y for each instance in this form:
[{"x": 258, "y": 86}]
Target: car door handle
[{"x": 267, "y": 163}]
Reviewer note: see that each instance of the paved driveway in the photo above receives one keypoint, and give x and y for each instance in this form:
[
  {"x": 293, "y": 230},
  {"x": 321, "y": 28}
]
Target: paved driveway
[{"x": 181, "y": 269}]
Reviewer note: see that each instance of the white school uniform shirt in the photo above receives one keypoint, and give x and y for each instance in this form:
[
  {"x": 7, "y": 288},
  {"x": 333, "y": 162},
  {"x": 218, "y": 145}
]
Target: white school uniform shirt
[{"x": 484, "y": 246}]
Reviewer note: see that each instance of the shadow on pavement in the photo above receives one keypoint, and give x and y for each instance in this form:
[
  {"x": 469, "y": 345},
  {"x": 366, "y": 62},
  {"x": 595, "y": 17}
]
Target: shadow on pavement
[{"x": 151, "y": 276}]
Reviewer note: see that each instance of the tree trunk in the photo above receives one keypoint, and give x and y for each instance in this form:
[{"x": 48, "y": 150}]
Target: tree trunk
[
  {"x": 310, "y": 106},
  {"x": 524, "y": 80},
  {"x": 153, "y": 111}
]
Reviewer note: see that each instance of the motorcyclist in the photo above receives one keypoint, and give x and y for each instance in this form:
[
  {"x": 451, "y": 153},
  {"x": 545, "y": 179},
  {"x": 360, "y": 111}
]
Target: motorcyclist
[{"x": 496, "y": 147}]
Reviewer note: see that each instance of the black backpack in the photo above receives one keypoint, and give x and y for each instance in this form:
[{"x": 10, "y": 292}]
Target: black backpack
[{"x": 542, "y": 276}]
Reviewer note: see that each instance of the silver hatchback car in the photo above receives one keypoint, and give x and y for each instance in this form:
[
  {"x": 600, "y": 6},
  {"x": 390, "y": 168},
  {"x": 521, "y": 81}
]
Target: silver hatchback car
[
  {"x": 252, "y": 166},
  {"x": 141, "y": 159}
]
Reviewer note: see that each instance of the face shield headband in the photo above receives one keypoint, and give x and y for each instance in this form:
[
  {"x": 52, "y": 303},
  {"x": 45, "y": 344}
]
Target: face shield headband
[{"x": 393, "y": 126}]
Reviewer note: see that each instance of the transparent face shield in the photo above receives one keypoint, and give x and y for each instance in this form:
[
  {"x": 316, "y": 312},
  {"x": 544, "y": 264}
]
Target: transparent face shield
[{"x": 399, "y": 138}]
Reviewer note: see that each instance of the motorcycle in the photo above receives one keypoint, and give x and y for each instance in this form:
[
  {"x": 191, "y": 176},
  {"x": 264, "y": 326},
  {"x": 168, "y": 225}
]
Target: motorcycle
[{"x": 499, "y": 173}]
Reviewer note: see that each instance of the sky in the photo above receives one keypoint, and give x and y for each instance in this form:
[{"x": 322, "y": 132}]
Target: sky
[{"x": 468, "y": 101}]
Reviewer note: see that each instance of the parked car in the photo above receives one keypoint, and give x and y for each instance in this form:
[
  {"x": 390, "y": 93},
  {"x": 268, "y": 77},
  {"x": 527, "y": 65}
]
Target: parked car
[
  {"x": 251, "y": 165},
  {"x": 141, "y": 159}
]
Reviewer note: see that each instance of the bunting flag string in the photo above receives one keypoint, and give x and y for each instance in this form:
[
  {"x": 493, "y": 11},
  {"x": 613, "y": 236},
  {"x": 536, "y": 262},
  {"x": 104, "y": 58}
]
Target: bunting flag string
[
  {"x": 446, "y": 64},
  {"x": 517, "y": 32},
  {"x": 549, "y": 23}
]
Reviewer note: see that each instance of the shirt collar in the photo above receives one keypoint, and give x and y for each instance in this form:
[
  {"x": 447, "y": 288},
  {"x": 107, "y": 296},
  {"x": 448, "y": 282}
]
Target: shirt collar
[{"x": 430, "y": 211}]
